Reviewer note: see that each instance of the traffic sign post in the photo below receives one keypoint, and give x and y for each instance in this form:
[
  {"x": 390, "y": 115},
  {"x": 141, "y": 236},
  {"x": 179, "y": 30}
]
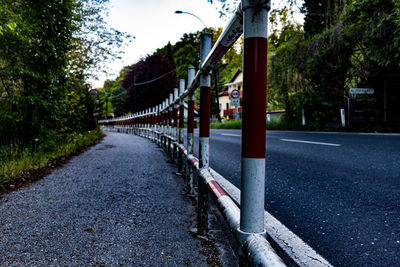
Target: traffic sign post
[
  {"x": 361, "y": 91},
  {"x": 235, "y": 101},
  {"x": 235, "y": 94}
]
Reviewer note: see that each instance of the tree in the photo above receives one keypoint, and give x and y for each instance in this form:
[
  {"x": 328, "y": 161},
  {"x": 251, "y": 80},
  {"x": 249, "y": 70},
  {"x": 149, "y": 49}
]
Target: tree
[
  {"x": 46, "y": 51},
  {"x": 148, "y": 94}
]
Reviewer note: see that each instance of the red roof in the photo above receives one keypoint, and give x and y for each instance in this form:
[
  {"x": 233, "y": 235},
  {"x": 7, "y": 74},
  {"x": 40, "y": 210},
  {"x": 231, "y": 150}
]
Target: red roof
[{"x": 223, "y": 93}]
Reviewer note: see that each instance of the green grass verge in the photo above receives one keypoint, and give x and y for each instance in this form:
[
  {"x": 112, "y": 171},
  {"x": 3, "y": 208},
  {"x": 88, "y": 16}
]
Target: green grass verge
[
  {"x": 231, "y": 124},
  {"x": 43, "y": 151},
  {"x": 274, "y": 124}
]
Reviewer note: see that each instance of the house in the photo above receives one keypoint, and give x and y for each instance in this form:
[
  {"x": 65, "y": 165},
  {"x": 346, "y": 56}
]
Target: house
[{"x": 224, "y": 97}]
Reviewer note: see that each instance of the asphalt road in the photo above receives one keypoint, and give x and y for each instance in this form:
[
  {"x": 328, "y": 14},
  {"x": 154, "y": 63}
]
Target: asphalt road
[{"x": 339, "y": 192}]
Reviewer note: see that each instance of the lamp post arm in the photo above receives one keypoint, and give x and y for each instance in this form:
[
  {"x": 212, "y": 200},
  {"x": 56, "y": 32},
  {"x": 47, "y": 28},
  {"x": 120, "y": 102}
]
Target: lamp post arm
[{"x": 184, "y": 12}]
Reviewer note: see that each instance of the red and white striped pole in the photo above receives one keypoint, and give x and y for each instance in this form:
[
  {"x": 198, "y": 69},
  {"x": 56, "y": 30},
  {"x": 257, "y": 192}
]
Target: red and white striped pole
[
  {"x": 153, "y": 124},
  {"x": 157, "y": 126},
  {"x": 165, "y": 121},
  {"x": 175, "y": 124},
  {"x": 146, "y": 122},
  {"x": 170, "y": 111},
  {"x": 255, "y": 17},
  {"x": 175, "y": 113},
  {"x": 181, "y": 124},
  {"x": 190, "y": 131},
  {"x": 204, "y": 139}
]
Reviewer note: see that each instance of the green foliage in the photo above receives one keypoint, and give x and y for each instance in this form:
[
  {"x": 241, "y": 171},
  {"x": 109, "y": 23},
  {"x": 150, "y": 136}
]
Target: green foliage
[
  {"x": 47, "y": 49},
  {"x": 344, "y": 44},
  {"x": 43, "y": 151}
]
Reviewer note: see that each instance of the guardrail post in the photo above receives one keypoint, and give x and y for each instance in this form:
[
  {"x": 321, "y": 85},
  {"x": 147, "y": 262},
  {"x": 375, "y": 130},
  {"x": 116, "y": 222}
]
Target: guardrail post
[
  {"x": 140, "y": 123},
  {"x": 151, "y": 123},
  {"x": 148, "y": 123},
  {"x": 133, "y": 123},
  {"x": 163, "y": 125},
  {"x": 170, "y": 111},
  {"x": 205, "y": 84},
  {"x": 181, "y": 124},
  {"x": 155, "y": 124},
  {"x": 166, "y": 133},
  {"x": 254, "y": 126},
  {"x": 136, "y": 123},
  {"x": 190, "y": 132},
  {"x": 175, "y": 123}
]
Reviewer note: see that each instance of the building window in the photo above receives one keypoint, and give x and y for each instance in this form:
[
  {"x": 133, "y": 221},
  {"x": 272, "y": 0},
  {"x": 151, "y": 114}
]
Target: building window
[
  {"x": 227, "y": 105},
  {"x": 239, "y": 87}
]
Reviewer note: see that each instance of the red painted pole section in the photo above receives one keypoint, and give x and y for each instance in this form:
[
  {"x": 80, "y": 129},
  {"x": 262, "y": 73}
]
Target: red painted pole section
[
  {"x": 205, "y": 111},
  {"x": 254, "y": 97},
  {"x": 175, "y": 117},
  {"x": 190, "y": 122},
  {"x": 181, "y": 116}
]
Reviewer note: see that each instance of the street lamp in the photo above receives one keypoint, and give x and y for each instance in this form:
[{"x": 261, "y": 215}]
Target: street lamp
[
  {"x": 215, "y": 70},
  {"x": 183, "y": 12}
]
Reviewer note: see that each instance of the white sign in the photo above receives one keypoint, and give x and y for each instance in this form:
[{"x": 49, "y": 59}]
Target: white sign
[
  {"x": 235, "y": 102},
  {"x": 235, "y": 93},
  {"x": 361, "y": 91}
]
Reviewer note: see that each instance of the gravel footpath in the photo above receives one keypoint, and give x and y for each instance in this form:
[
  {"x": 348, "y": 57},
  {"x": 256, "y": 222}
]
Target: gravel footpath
[{"x": 113, "y": 205}]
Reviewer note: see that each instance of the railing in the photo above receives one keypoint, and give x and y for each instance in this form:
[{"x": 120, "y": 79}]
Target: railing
[{"x": 164, "y": 124}]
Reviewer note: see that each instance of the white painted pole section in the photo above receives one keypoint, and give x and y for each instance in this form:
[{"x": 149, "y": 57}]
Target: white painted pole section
[
  {"x": 252, "y": 205},
  {"x": 303, "y": 118},
  {"x": 268, "y": 117},
  {"x": 191, "y": 74},
  {"x": 342, "y": 117}
]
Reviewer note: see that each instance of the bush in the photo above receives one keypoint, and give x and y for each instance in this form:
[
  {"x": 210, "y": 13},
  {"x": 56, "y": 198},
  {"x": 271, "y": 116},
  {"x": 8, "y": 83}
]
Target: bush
[
  {"x": 43, "y": 151},
  {"x": 231, "y": 124}
]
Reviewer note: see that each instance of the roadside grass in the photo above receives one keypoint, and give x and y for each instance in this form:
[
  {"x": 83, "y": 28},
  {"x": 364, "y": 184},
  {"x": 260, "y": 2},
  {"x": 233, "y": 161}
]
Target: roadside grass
[
  {"x": 274, "y": 124},
  {"x": 230, "y": 124},
  {"x": 42, "y": 152}
]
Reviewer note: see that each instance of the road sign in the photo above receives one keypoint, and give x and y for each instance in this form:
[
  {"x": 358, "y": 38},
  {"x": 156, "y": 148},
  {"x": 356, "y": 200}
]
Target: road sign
[
  {"x": 235, "y": 102},
  {"x": 235, "y": 94},
  {"x": 361, "y": 91}
]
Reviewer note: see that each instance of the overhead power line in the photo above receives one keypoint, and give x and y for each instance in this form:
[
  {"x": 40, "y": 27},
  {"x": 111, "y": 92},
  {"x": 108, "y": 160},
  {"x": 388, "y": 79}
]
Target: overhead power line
[{"x": 150, "y": 81}]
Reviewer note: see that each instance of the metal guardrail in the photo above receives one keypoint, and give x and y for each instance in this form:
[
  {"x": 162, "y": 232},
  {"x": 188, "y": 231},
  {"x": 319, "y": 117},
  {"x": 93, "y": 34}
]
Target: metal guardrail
[{"x": 164, "y": 124}]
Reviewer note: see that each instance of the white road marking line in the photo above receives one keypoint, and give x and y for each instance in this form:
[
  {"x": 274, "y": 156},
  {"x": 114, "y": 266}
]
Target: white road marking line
[
  {"x": 309, "y": 142},
  {"x": 230, "y": 134}
]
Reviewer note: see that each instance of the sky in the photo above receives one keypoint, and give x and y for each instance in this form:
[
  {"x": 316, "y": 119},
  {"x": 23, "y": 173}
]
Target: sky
[{"x": 154, "y": 24}]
